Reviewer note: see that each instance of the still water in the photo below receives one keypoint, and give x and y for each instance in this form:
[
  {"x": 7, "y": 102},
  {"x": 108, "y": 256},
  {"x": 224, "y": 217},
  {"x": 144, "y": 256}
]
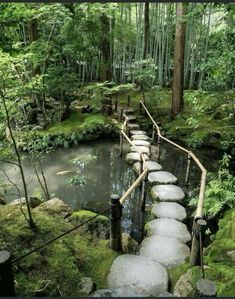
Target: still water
[{"x": 105, "y": 173}]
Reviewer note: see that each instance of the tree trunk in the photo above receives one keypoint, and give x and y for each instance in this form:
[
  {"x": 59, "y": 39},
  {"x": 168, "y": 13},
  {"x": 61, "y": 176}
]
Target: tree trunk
[
  {"x": 178, "y": 77},
  {"x": 106, "y": 68},
  {"x": 146, "y": 30}
]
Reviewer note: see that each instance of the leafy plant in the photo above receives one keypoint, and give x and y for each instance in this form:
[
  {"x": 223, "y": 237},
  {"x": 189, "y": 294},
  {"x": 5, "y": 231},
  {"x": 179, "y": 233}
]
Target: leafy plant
[
  {"x": 220, "y": 190},
  {"x": 75, "y": 181}
]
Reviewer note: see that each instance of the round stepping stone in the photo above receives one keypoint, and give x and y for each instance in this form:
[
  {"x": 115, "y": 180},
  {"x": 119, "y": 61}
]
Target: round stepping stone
[
  {"x": 142, "y": 149},
  {"x": 167, "y": 193},
  {"x": 130, "y": 117},
  {"x": 161, "y": 177},
  {"x": 140, "y": 137},
  {"x": 134, "y": 157},
  {"x": 170, "y": 210},
  {"x": 138, "y": 271},
  {"x": 168, "y": 252},
  {"x": 133, "y": 126},
  {"x": 137, "y": 132},
  {"x": 141, "y": 143},
  {"x": 151, "y": 165},
  {"x": 168, "y": 228},
  {"x": 129, "y": 110}
]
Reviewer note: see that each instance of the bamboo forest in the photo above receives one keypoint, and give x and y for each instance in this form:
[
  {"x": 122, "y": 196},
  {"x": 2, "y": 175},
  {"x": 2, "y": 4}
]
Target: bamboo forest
[{"x": 117, "y": 149}]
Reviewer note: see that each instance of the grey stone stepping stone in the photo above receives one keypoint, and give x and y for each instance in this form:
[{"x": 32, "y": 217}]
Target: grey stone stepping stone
[
  {"x": 138, "y": 271},
  {"x": 133, "y": 126},
  {"x": 140, "y": 137},
  {"x": 170, "y": 210},
  {"x": 161, "y": 177},
  {"x": 142, "y": 149},
  {"x": 134, "y": 157},
  {"x": 137, "y": 132},
  {"x": 141, "y": 143},
  {"x": 170, "y": 228},
  {"x": 130, "y": 117},
  {"x": 169, "y": 252},
  {"x": 167, "y": 193},
  {"x": 129, "y": 110},
  {"x": 151, "y": 165}
]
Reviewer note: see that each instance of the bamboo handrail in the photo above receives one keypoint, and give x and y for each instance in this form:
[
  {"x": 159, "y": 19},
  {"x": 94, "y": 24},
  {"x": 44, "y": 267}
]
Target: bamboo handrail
[
  {"x": 145, "y": 169},
  {"x": 199, "y": 211}
]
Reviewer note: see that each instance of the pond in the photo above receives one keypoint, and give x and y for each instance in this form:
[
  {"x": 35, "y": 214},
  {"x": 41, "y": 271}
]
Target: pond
[{"x": 105, "y": 173}]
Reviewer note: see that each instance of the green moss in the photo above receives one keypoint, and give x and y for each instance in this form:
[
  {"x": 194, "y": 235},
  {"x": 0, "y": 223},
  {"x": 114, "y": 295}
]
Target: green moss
[
  {"x": 175, "y": 273},
  {"x": 61, "y": 263},
  {"x": 84, "y": 215}
]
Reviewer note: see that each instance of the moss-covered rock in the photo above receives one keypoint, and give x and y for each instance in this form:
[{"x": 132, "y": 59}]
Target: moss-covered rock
[
  {"x": 58, "y": 268},
  {"x": 99, "y": 227}
]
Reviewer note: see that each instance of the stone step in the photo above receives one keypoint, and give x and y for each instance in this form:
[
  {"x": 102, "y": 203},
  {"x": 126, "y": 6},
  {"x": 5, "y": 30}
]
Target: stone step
[
  {"x": 133, "y": 126},
  {"x": 134, "y": 157},
  {"x": 167, "y": 193},
  {"x": 137, "y": 132},
  {"x": 142, "y": 149},
  {"x": 128, "y": 110},
  {"x": 130, "y": 117},
  {"x": 169, "y": 252},
  {"x": 170, "y": 210},
  {"x": 161, "y": 177},
  {"x": 141, "y": 143},
  {"x": 138, "y": 272},
  {"x": 168, "y": 228},
  {"x": 140, "y": 137},
  {"x": 151, "y": 165}
]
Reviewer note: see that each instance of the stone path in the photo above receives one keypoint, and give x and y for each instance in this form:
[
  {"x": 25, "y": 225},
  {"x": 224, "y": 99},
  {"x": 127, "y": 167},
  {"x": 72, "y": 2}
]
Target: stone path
[{"x": 165, "y": 244}]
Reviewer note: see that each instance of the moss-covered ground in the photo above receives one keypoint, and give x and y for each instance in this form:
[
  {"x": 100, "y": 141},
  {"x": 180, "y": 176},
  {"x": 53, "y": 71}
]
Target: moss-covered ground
[
  {"x": 219, "y": 260},
  {"x": 60, "y": 265}
]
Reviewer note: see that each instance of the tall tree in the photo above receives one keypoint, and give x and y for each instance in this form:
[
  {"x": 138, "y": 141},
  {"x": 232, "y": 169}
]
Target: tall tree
[
  {"x": 178, "y": 75},
  {"x": 146, "y": 30}
]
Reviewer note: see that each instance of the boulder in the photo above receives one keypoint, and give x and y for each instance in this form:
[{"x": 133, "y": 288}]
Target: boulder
[
  {"x": 33, "y": 201},
  {"x": 55, "y": 205},
  {"x": 135, "y": 271},
  {"x": 87, "y": 286},
  {"x": 183, "y": 287},
  {"x": 99, "y": 227}
]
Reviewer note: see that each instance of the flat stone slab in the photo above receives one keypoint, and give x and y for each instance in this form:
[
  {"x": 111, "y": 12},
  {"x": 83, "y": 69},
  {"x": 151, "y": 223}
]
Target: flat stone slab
[
  {"x": 170, "y": 210},
  {"x": 151, "y": 165},
  {"x": 161, "y": 177},
  {"x": 142, "y": 149},
  {"x": 138, "y": 271},
  {"x": 137, "y": 132},
  {"x": 129, "y": 110},
  {"x": 141, "y": 143},
  {"x": 133, "y": 126},
  {"x": 170, "y": 228},
  {"x": 140, "y": 137},
  {"x": 167, "y": 193},
  {"x": 169, "y": 252},
  {"x": 134, "y": 157}
]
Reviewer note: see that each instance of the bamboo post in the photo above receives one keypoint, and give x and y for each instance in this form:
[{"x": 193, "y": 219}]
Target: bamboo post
[
  {"x": 153, "y": 134},
  {"x": 116, "y": 102},
  {"x": 188, "y": 170},
  {"x": 196, "y": 254},
  {"x": 128, "y": 100},
  {"x": 115, "y": 232},
  {"x": 121, "y": 114},
  {"x": 7, "y": 288},
  {"x": 121, "y": 145},
  {"x": 159, "y": 148}
]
